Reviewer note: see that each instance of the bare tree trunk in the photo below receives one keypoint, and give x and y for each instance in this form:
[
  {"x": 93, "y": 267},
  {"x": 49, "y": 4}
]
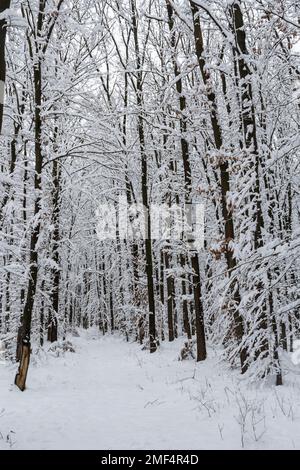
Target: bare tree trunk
[
  {"x": 40, "y": 42},
  {"x": 170, "y": 297},
  {"x": 146, "y": 208},
  {"x": 249, "y": 127},
  {"x": 42, "y": 316},
  {"x": 200, "y": 331},
  {"x": 53, "y": 324},
  {"x": 238, "y": 325},
  {"x": 24, "y": 337},
  {"x": 185, "y": 310}
]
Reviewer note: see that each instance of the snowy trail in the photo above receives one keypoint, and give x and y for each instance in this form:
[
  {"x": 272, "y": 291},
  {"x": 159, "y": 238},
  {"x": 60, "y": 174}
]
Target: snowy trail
[{"x": 110, "y": 395}]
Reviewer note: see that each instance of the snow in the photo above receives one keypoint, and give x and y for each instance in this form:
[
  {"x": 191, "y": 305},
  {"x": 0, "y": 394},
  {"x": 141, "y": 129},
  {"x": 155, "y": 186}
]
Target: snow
[{"x": 110, "y": 394}]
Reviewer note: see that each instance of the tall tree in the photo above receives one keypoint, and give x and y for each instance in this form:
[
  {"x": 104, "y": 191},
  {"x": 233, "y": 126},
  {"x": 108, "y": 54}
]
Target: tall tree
[
  {"x": 144, "y": 182},
  {"x": 38, "y": 40},
  {"x": 188, "y": 200},
  {"x": 227, "y": 245}
]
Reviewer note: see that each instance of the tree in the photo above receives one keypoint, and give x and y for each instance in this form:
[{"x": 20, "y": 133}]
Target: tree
[{"x": 38, "y": 40}]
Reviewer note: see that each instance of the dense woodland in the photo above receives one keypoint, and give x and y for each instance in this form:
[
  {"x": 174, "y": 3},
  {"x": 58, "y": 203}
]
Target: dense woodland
[{"x": 156, "y": 102}]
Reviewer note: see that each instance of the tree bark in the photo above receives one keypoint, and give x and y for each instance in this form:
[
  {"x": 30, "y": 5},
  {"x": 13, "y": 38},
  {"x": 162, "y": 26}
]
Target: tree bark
[
  {"x": 40, "y": 43},
  {"x": 53, "y": 323},
  {"x": 144, "y": 184},
  {"x": 170, "y": 298},
  {"x": 238, "y": 325},
  {"x": 184, "y": 145}
]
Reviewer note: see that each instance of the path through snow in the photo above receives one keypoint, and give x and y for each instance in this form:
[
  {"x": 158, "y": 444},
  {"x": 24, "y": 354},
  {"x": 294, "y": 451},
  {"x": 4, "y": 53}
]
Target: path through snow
[{"x": 111, "y": 395}]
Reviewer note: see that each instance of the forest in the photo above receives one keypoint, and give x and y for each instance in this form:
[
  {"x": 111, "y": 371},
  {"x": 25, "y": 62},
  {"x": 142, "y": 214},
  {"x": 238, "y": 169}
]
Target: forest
[{"x": 150, "y": 202}]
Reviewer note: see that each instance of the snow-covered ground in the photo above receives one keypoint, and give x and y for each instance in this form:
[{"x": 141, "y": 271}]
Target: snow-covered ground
[{"x": 111, "y": 395}]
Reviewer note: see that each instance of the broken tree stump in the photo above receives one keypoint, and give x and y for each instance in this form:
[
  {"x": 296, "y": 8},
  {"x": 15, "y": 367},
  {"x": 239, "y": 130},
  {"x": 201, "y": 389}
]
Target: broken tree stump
[{"x": 20, "y": 380}]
